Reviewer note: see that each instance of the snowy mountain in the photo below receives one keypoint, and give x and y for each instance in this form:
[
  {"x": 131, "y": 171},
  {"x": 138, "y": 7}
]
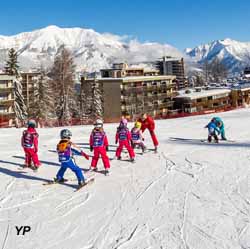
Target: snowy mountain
[
  {"x": 190, "y": 194},
  {"x": 91, "y": 50},
  {"x": 234, "y": 54}
]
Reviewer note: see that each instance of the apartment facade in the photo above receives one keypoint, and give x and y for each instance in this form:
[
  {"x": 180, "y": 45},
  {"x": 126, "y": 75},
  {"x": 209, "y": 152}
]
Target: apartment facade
[
  {"x": 6, "y": 100},
  {"x": 201, "y": 100},
  {"x": 29, "y": 82},
  {"x": 173, "y": 66},
  {"x": 241, "y": 95},
  {"x": 131, "y": 95}
]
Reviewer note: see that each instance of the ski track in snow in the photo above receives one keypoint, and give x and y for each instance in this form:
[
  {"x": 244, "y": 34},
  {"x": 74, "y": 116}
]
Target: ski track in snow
[{"x": 186, "y": 196}]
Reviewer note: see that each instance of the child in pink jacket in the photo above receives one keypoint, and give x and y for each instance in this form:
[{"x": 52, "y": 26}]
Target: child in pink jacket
[{"x": 30, "y": 145}]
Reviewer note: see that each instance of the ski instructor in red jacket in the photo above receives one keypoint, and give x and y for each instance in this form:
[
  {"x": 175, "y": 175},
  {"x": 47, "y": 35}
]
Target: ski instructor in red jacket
[{"x": 148, "y": 123}]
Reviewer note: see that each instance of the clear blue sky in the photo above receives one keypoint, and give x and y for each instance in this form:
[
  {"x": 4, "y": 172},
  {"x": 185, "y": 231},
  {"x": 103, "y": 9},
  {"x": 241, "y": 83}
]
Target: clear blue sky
[{"x": 177, "y": 22}]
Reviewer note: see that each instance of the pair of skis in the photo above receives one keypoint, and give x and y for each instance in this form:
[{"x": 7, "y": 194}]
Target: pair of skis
[{"x": 87, "y": 182}]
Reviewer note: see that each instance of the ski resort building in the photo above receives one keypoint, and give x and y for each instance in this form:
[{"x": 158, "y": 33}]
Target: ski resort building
[
  {"x": 6, "y": 100},
  {"x": 29, "y": 81},
  {"x": 203, "y": 100},
  {"x": 241, "y": 94},
  {"x": 130, "y": 93},
  {"x": 173, "y": 66}
]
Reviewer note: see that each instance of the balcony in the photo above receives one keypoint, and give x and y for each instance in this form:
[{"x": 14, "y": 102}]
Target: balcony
[{"x": 6, "y": 102}]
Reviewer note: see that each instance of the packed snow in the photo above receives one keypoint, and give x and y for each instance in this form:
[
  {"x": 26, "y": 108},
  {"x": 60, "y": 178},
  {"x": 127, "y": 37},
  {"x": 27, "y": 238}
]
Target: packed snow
[{"x": 190, "y": 195}]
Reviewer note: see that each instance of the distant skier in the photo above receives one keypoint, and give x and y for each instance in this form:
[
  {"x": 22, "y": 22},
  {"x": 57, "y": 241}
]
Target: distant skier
[
  {"x": 213, "y": 131},
  {"x": 98, "y": 142},
  {"x": 66, "y": 149},
  {"x": 123, "y": 136},
  {"x": 148, "y": 123},
  {"x": 219, "y": 123},
  {"x": 30, "y": 145},
  {"x": 137, "y": 137}
]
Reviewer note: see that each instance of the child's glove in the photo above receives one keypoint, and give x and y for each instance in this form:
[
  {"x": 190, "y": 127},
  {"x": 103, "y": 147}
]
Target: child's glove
[
  {"x": 116, "y": 141},
  {"x": 91, "y": 148},
  {"x": 85, "y": 155},
  {"x": 107, "y": 148},
  {"x": 143, "y": 139}
]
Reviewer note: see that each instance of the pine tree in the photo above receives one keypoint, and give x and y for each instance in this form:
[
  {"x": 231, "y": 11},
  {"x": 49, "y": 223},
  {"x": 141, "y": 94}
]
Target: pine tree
[
  {"x": 11, "y": 68},
  {"x": 42, "y": 101},
  {"x": 62, "y": 75},
  {"x": 97, "y": 96}
]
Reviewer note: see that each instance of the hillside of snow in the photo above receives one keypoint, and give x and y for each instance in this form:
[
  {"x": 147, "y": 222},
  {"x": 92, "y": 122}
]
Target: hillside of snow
[
  {"x": 92, "y": 51},
  {"x": 190, "y": 194},
  {"x": 235, "y": 55}
]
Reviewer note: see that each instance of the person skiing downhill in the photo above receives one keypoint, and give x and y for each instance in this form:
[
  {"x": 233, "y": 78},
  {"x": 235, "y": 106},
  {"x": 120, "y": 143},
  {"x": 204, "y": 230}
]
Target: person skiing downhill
[
  {"x": 66, "y": 149},
  {"x": 148, "y": 123},
  {"x": 123, "y": 136},
  {"x": 98, "y": 142},
  {"x": 219, "y": 123},
  {"x": 137, "y": 138},
  {"x": 213, "y": 130},
  {"x": 29, "y": 143}
]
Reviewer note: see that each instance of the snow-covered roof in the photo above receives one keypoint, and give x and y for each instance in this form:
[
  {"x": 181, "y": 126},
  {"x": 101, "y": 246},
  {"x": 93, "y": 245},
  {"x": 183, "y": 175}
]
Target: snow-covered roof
[
  {"x": 203, "y": 93},
  {"x": 138, "y": 78}
]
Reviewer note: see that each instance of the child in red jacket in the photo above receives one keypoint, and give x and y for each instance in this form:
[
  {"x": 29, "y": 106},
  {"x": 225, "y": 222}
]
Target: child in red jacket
[
  {"x": 98, "y": 142},
  {"x": 148, "y": 123},
  {"x": 123, "y": 135},
  {"x": 30, "y": 145}
]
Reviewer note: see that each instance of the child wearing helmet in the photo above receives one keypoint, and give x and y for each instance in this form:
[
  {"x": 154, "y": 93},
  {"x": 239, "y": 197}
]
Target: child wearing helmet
[
  {"x": 123, "y": 136},
  {"x": 213, "y": 131},
  {"x": 66, "y": 149},
  {"x": 137, "y": 137},
  {"x": 29, "y": 143},
  {"x": 98, "y": 142}
]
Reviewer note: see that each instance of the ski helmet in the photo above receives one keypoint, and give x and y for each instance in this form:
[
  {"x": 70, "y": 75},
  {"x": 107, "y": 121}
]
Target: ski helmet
[
  {"x": 31, "y": 123},
  {"x": 65, "y": 133},
  {"x": 123, "y": 122},
  {"x": 98, "y": 123},
  {"x": 138, "y": 124}
]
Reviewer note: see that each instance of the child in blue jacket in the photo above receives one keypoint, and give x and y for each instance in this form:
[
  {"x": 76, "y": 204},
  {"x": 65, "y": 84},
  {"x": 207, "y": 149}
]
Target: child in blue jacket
[
  {"x": 213, "y": 131},
  {"x": 219, "y": 123}
]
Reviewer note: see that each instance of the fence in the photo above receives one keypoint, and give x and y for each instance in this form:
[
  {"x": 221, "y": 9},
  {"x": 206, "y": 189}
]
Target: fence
[{"x": 4, "y": 123}]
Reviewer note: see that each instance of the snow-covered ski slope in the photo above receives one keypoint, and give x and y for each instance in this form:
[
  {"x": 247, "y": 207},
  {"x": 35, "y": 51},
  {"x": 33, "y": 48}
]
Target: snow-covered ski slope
[{"x": 191, "y": 195}]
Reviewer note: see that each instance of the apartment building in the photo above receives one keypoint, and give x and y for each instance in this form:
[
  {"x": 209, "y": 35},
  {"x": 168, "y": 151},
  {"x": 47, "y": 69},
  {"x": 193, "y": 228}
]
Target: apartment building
[
  {"x": 241, "y": 94},
  {"x": 126, "y": 91},
  {"x": 173, "y": 66},
  {"x": 29, "y": 81},
  {"x": 6, "y": 100},
  {"x": 202, "y": 100}
]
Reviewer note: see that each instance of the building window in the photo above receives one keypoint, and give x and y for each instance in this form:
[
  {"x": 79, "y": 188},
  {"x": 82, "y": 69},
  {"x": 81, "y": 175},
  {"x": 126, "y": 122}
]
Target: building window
[
  {"x": 210, "y": 97},
  {"x": 199, "y": 100}
]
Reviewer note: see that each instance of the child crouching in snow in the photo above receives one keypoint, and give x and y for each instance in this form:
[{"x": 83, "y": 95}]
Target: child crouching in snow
[
  {"x": 213, "y": 131},
  {"x": 137, "y": 137},
  {"x": 65, "y": 152}
]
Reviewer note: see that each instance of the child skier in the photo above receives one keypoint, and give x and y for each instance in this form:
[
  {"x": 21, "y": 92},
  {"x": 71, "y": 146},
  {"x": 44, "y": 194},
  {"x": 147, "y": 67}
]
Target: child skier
[
  {"x": 65, "y": 150},
  {"x": 137, "y": 138},
  {"x": 213, "y": 130},
  {"x": 30, "y": 145},
  {"x": 98, "y": 142},
  {"x": 123, "y": 135},
  {"x": 219, "y": 123}
]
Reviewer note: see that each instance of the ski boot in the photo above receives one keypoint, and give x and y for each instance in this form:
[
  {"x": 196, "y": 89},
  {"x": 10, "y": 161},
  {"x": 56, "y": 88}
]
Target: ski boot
[
  {"x": 93, "y": 169},
  {"x": 106, "y": 172},
  {"x": 62, "y": 180},
  {"x": 132, "y": 160},
  {"x": 119, "y": 158},
  {"x": 81, "y": 184}
]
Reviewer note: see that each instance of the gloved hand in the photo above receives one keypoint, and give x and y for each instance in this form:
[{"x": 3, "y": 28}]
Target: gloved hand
[
  {"x": 107, "y": 148},
  {"x": 143, "y": 139},
  {"x": 85, "y": 155},
  {"x": 91, "y": 148},
  {"x": 116, "y": 141}
]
